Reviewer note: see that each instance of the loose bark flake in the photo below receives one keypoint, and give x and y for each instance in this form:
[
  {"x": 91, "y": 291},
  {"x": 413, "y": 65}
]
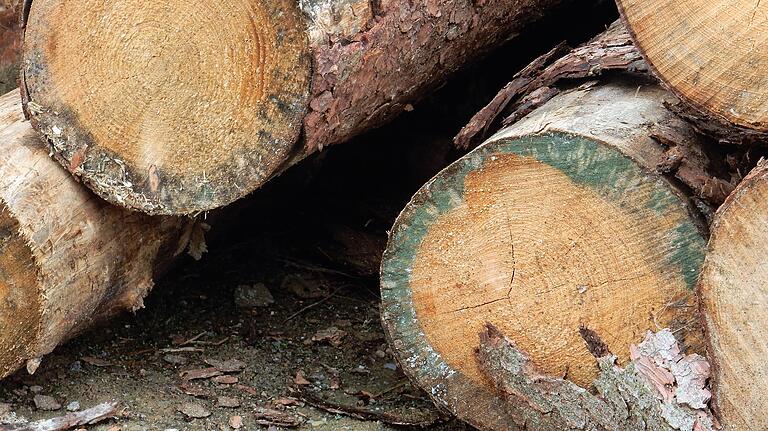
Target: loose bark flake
[{"x": 660, "y": 389}]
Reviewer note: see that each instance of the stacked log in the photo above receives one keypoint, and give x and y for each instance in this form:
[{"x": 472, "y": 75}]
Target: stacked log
[
  {"x": 178, "y": 107},
  {"x": 734, "y": 299},
  {"x": 717, "y": 69},
  {"x": 519, "y": 278},
  {"x": 67, "y": 258}
]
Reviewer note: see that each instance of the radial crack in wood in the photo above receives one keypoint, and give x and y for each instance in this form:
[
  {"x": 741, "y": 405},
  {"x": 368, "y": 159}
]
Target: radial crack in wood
[
  {"x": 734, "y": 294},
  {"x": 557, "y": 223}
]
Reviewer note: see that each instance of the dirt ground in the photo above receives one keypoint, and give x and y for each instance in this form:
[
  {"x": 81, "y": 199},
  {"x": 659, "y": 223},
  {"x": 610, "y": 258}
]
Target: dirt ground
[{"x": 287, "y": 294}]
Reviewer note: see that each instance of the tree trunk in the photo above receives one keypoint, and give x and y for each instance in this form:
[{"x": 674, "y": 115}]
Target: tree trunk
[
  {"x": 734, "y": 295},
  {"x": 67, "y": 258},
  {"x": 710, "y": 53},
  {"x": 558, "y": 226},
  {"x": 178, "y": 107}
]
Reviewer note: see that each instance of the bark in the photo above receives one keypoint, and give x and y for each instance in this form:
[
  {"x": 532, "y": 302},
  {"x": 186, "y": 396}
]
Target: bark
[
  {"x": 733, "y": 295},
  {"x": 710, "y": 171},
  {"x": 713, "y": 69},
  {"x": 660, "y": 389},
  {"x": 67, "y": 258},
  {"x": 553, "y": 230},
  {"x": 351, "y": 65}
]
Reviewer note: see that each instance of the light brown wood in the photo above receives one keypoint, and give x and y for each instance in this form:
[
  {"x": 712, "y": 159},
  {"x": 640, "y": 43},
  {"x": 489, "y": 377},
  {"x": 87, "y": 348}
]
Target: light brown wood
[
  {"x": 556, "y": 224},
  {"x": 67, "y": 258},
  {"x": 712, "y": 53},
  {"x": 182, "y": 106},
  {"x": 734, "y": 292}
]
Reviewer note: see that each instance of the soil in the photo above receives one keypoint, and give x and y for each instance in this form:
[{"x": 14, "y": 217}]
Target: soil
[{"x": 289, "y": 287}]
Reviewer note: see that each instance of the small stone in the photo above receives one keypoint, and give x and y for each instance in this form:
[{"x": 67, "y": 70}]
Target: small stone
[
  {"x": 390, "y": 366},
  {"x": 36, "y": 389},
  {"x": 175, "y": 359},
  {"x": 76, "y": 367},
  {"x": 73, "y": 406},
  {"x": 228, "y": 402},
  {"x": 236, "y": 422},
  {"x": 254, "y": 295},
  {"x": 45, "y": 402},
  {"x": 194, "y": 410}
]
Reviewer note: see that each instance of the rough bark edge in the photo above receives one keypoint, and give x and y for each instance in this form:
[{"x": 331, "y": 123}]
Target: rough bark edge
[
  {"x": 708, "y": 171},
  {"x": 611, "y": 50},
  {"x": 360, "y": 45},
  {"x": 660, "y": 389}
]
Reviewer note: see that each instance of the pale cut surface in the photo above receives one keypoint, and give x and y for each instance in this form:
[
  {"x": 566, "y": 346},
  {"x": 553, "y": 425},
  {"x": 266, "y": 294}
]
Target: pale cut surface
[
  {"x": 67, "y": 258},
  {"x": 168, "y": 107},
  {"x": 713, "y": 53},
  {"x": 539, "y": 256},
  {"x": 557, "y": 223},
  {"x": 734, "y": 291}
]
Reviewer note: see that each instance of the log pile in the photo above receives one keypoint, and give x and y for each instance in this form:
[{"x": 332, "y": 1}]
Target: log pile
[
  {"x": 519, "y": 278},
  {"x": 595, "y": 262}
]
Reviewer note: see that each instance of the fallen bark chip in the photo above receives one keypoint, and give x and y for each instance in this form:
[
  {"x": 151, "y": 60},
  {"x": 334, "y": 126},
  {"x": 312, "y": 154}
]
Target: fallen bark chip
[
  {"x": 45, "y": 402},
  {"x": 225, "y": 380},
  {"x": 194, "y": 410},
  {"x": 332, "y": 336},
  {"x": 300, "y": 379},
  {"x": 227, "y": 402},
  {"x": 228, "y": 366},
  {"x": 89, "y": 416},
  {"x": 267, "y": 416},
  {"x": 193, "y": 390},
  {"x": 96, "y": 362},
  {"x": 203, "y": 373}
]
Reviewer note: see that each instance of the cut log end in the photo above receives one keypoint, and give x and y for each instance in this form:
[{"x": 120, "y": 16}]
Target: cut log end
[
  {"x": 169, "y": 107},
  {"x": 20, "y": 296},
  {"x": 734, "y": 293},
  {"x": 549, "y": 236},
  {"x": 708, "y": 52}
]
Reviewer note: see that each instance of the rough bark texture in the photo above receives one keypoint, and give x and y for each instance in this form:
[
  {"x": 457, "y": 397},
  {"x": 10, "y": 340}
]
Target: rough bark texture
[
  {"x": 364, "y": 62},
  {"x": 557, "y": 226},
  {"x": 734, "y": 298},
  {"x": 372, "y": 58},
  {"x": 67, "y": 258},
  {"x": 660, "y": 389}
]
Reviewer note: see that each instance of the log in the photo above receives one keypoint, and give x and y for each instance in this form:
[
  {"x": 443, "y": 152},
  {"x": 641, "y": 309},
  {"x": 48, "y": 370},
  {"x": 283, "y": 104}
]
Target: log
[
  {"x": 557, "y": 227},
  {"x": 67, "y": 258},
  {"x": 717, "y": 68},
  {"x": 734, "y": 298},
  {"x": 178, "y": 107}
]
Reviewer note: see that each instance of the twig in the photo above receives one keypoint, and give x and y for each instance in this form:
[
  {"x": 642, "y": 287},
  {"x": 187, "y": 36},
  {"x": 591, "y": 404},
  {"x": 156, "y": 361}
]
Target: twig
[
  {"x": 85, "y": 417},
  {"x": 193, "y": 339},
  {"x": 314, "y": 304},
  {"x": 366, "y": 414}
]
